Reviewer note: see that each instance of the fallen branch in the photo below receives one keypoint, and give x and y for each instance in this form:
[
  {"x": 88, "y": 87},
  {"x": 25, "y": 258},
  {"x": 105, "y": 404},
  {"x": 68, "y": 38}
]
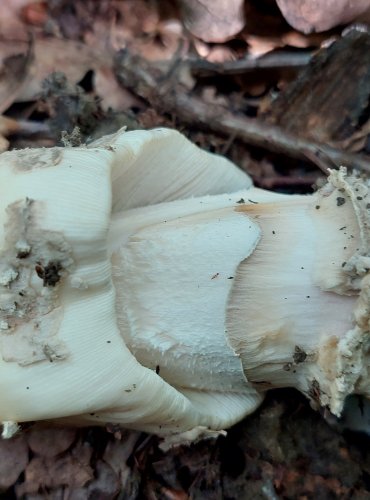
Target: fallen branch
[{"x": 166, "y": 94}]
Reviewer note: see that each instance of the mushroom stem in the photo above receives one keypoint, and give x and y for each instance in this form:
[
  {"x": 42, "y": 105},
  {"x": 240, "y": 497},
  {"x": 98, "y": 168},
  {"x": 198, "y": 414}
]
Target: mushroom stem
[
  {"x": 174, "y": 317},
  {"x": 291, "y": 294}
]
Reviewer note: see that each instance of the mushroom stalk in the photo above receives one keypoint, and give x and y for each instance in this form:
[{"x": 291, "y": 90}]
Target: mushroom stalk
[{"x": 135, "y": 291}]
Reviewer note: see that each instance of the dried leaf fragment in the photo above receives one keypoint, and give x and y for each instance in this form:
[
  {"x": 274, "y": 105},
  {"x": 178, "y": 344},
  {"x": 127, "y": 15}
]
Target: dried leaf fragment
[
  {"x": 14, "y": 71},
  {"x": 213, "y": 20},
  {"x": 14, "y": 458},
  {"x": 50, "y": 442},
  {"x": 321, "y": 15},
  {"x": 71, "y": 470}
]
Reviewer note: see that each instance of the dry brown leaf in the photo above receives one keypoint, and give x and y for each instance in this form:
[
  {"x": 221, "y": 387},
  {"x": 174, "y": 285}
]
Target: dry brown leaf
[
  {"x": 161, "y": 44},
  {"x": 220, "y": 54},
  {"x": 296, "y": 39},
  {"x": 50, "y": 442},
  {"x": 117, "y": 453},
  {"x": 11, "y": 24},
  {"x": 321, "y": 15},
  {"x": 136, "y": 17},
  {"x": 104, "y": 487},
  {"x": 72, "y": 58},
  {"x": 213, "y": 20},
  {"x": 72, "y": 469},
  {"x": 261, "y": 45},
  {"x": 14, "y": 458},
  {"x": 15, "y": 63},
  {"x": 111, "y": 94}
]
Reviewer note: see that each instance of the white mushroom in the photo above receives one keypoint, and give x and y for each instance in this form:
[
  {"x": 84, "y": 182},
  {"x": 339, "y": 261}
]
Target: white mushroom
[{"x": 173, "y": 317}]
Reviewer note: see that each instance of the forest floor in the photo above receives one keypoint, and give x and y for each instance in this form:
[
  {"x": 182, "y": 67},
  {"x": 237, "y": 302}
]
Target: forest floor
[{"x": 72, "y": 71}]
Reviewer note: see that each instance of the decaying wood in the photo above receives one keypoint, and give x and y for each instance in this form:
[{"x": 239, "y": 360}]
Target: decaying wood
[
  {"x": 329, "y": 101},
  {"x": 165, "y": 93}
]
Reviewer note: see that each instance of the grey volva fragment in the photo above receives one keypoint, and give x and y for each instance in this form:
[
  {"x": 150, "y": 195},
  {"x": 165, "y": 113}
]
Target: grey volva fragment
[{"x": 33, "y": 263}]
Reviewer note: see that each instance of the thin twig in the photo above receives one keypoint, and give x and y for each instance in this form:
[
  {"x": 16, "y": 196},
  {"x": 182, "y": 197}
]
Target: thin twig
[{"x": 278, "y": 60}]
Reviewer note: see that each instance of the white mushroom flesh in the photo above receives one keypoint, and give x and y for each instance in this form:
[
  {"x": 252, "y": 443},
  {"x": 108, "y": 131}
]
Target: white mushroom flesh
[{"x": 177, "y": 316}]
